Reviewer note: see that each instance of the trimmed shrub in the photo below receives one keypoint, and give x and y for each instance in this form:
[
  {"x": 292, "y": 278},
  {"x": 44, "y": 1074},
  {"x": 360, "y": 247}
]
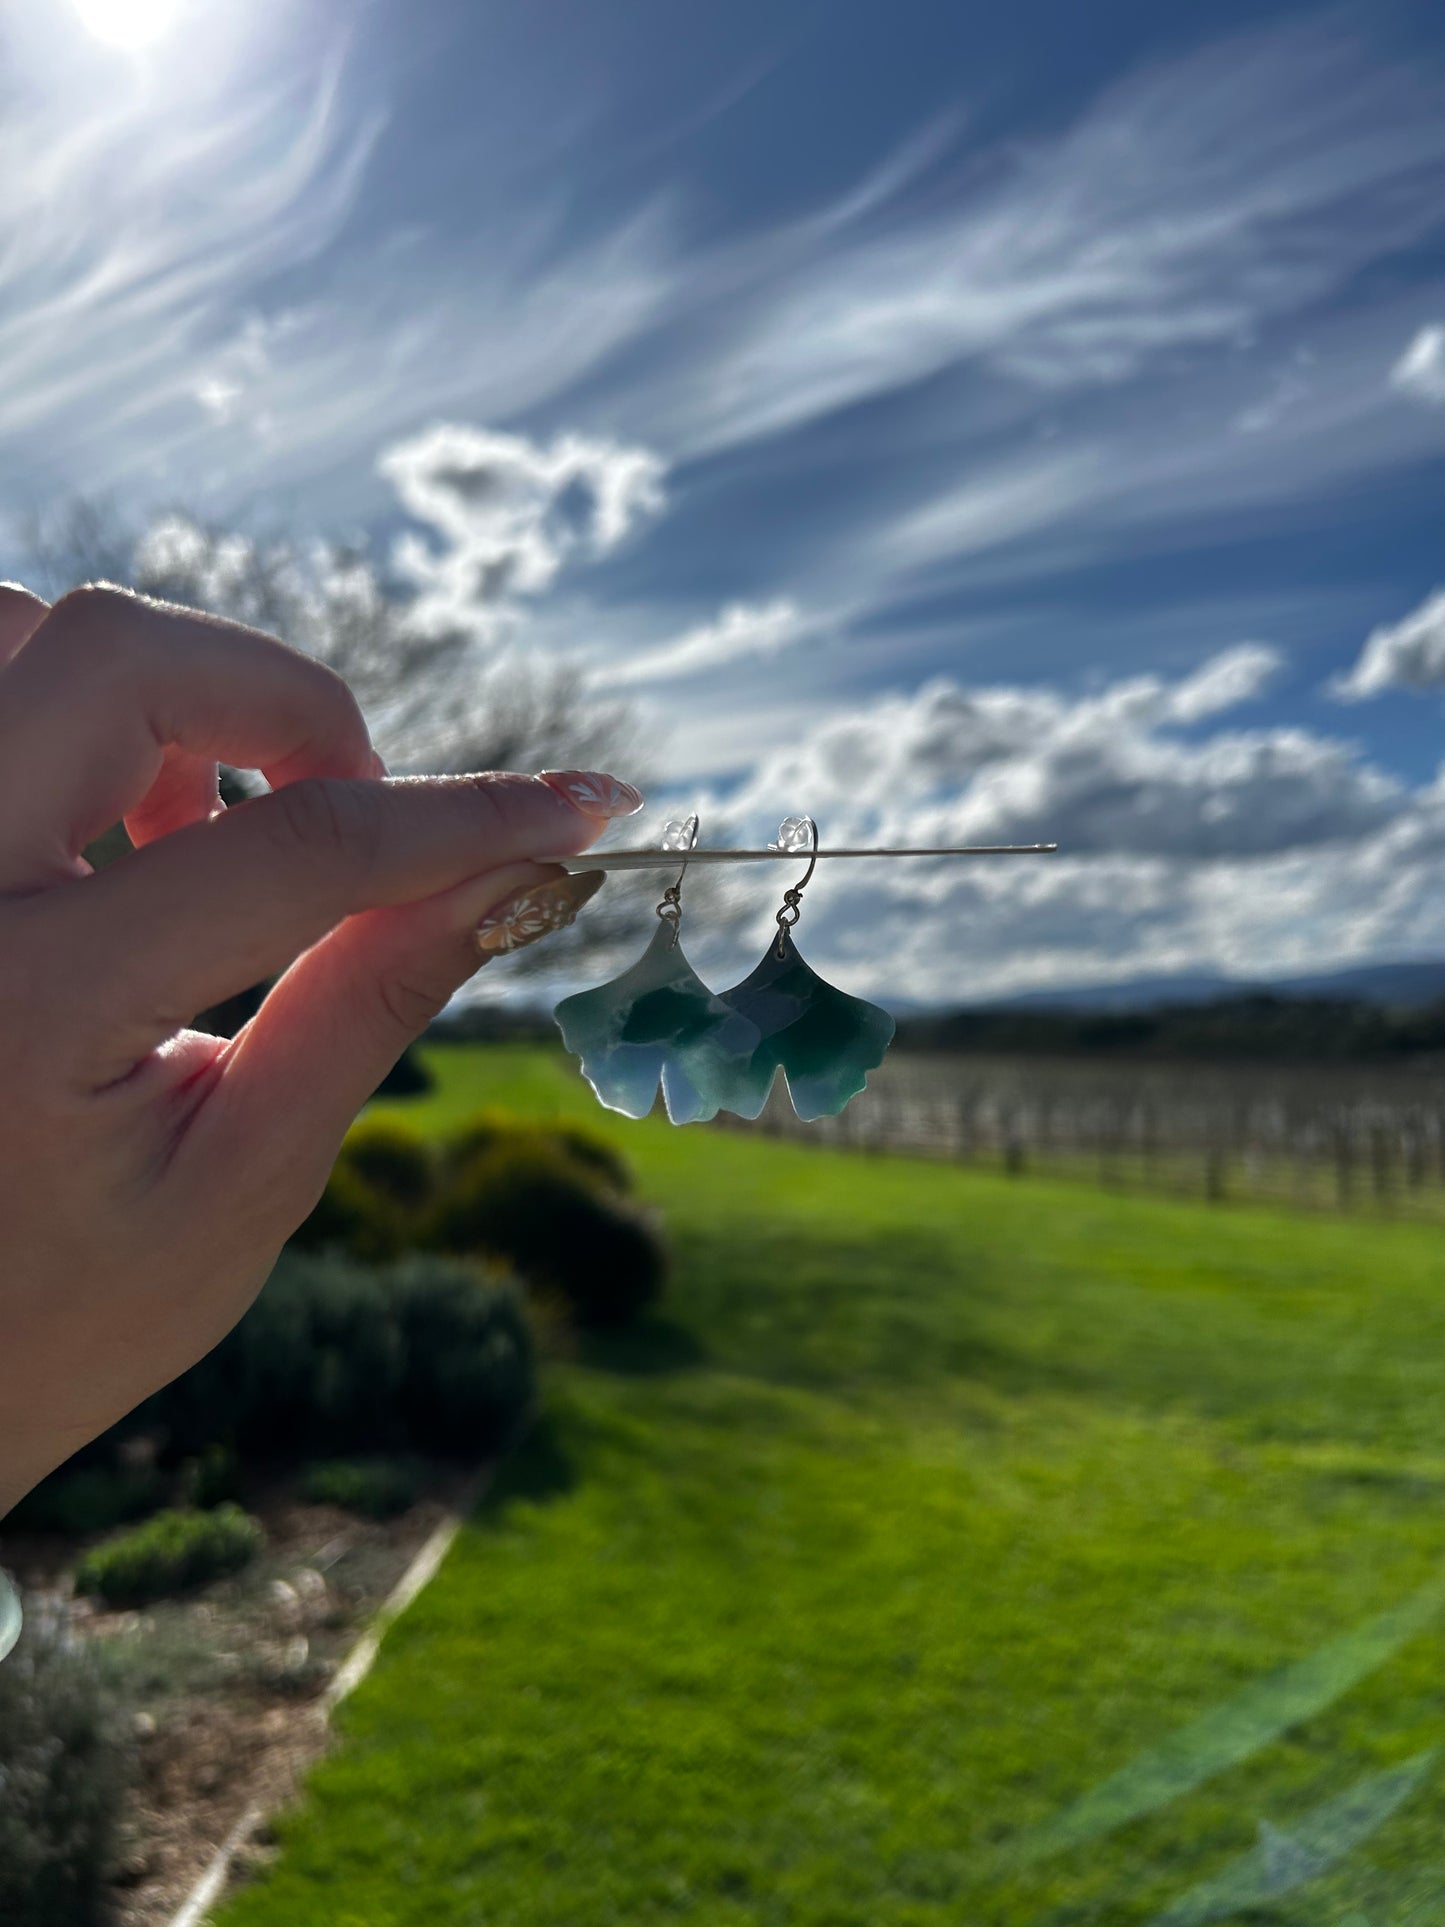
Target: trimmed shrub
[
  {"x": 376, "y": 1488},
  {"x": 352, "y": 1215},
  {"x": 392, "y": 1160},
  {"x": 389, "y": 1188},
  {"x": 601, "y": 1160},
  {"x": 63, "y": 1774},
  {"x": 471, "y": 1363},
  {"x": 426, "y": 1355},
  {"x": 489, "y": 1131},
  {"x": 88, "y": 1500},
  {"x": 532, "y": 1204},
  {"x": 168, "y": 1554},
  {"x": 482, "y": 1132}
]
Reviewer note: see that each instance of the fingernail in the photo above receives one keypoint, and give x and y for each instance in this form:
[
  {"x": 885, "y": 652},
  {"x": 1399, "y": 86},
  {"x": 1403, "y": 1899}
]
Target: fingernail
[
  {"x": 594, "y": 793},
  {"x": 536, "y": 912}
]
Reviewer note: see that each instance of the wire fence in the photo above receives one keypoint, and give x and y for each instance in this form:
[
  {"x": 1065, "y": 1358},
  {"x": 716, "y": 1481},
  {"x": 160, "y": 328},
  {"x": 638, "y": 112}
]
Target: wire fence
[{"x": 1353, "y": 1139}]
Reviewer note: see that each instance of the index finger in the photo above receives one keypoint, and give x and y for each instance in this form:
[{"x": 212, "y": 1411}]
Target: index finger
[
  {"x": 205, "y": 912},
  {"x": 108, "y": 682}
]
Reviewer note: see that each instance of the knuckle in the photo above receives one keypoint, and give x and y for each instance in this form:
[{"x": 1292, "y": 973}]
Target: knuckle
[
  {"x": 91, "y": 607},
  {"x": 327, "y": 818},
  {"x": 496, "y": 795},
  {"x": 92, "y": 622},
  {"x": 330, "y": 693},
  {"x": 409, "y": 1004}
]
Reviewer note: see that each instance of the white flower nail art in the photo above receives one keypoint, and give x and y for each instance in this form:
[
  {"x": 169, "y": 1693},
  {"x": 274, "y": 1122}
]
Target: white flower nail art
[
  {"x": 594, "y": 792},
  {"x": 535, "y": 913}
]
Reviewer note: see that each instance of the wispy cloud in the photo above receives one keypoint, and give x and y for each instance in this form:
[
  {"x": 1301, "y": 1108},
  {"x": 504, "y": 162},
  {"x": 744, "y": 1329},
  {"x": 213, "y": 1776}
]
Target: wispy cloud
[
  {"x": 133, "y": 223},
  {"x": 1192, "y": 206},
  {"x": 1420, "y": 371},
  {"x": 187, "y": 313},
  {"x": 743, "y": 633},
  {"x": 1080, "y": 298}
]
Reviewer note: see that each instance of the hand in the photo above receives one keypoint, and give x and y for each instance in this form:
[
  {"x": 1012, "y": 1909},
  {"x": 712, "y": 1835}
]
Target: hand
[{"x": 149, "y": 1174}]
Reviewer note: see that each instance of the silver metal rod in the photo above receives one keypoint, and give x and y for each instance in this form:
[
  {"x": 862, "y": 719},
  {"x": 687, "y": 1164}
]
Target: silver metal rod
[{"x": 667, "y": 859}]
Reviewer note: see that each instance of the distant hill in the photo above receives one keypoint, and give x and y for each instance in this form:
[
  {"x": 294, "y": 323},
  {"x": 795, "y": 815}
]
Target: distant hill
[
  {"x": 1393, "y": 986},
  {"x": 1375, "y": 1012}
]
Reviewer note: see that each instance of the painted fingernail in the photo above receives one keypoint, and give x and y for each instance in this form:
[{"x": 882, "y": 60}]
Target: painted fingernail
[
  {"x": 594, "y": 793},
  {"x": 535, "y": 913}
]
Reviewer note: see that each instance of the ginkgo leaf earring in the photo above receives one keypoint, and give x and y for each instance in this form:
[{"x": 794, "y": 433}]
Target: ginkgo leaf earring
[
  {"x": 825, "y": 1041},
  {"x": 659, "y": 1023}
]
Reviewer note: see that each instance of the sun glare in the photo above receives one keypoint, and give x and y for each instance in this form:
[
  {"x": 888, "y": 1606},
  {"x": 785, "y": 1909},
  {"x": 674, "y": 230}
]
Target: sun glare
[{"x": 127, "y": 23}]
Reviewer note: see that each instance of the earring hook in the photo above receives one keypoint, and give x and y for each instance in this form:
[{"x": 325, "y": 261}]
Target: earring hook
[
  {"x": 678, "y": 834},
  {"x": 791, "y": 833}
]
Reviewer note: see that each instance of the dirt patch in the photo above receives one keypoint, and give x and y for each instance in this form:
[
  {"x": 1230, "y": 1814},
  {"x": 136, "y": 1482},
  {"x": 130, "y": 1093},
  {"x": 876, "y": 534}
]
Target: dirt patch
[{"x": 224, "y": 1690}]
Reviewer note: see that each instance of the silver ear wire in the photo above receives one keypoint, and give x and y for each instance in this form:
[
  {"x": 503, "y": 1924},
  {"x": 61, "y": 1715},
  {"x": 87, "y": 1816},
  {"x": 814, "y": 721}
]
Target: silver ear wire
[
  {"x": 680, "y": 833},
  {"x": 795, "y": 833}
]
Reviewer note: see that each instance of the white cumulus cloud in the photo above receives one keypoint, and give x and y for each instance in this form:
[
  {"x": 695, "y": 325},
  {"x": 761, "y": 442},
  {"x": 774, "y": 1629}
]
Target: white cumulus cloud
[
  {"x": 1250, "y": 851},
  {"x": 1409, "y": 654},
  {"x": 505, "y": 515},
  {"x": 1106, "y": 773}
]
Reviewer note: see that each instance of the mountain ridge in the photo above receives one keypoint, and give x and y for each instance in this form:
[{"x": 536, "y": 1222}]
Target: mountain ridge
[{"x": 1394, "y": 986}]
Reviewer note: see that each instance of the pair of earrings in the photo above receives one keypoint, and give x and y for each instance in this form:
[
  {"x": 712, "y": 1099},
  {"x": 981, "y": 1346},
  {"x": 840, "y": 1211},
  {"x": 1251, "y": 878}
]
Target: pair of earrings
[{"x": 659, "y": 1023}]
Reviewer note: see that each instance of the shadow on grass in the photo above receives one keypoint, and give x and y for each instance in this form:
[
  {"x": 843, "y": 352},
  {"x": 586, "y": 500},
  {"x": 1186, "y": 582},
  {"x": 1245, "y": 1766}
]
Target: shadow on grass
[
  {"x": 653, "y": 1346},
  {"x": 823, "y": 1313},
  {"x": 826, "y": 1312},
  {"x": 542, "y": 1467}
]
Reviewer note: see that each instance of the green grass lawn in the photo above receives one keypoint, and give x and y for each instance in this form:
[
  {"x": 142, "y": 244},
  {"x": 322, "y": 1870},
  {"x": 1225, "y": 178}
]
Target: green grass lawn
[{"x": 948, "y": 1550}]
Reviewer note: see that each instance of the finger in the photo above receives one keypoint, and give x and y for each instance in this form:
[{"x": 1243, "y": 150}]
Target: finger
[
  {"x": 186, "y": 790},
  {"x": 21, "y": 614},
  {"x": 107, "y": 681},
  {"x": 197, "y": 916},
  {"x": 338, "y": 1020}
]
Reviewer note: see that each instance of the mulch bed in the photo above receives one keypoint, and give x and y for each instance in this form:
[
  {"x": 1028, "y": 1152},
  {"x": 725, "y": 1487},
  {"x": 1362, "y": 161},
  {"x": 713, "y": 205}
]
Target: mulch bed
[{"x": 224, "y": 1689}]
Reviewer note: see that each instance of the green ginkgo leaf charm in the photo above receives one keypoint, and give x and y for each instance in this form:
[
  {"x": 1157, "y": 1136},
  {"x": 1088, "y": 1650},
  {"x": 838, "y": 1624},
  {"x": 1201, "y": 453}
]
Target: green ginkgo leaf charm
[
  {"x": 658, "y": 1023},
  {"x": 825, "y": 1041}
]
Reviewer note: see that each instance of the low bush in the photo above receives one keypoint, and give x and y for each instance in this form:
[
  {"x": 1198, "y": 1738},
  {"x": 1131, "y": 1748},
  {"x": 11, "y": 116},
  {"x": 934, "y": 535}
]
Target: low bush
[
  {"x": 533, "y": 1205},
  {"x": 487, "y": 1132},
  {"x": 89, "y": 1499},
  {"x": 425, "y": 1355},
  {"x": 63, "y": 1774},
  {"x": 546, "y": 1197},
  {"x": 471, "y": 1379},
  {"x": 354, "y": 1216},
  {"x": 602, "y": 1161},
  {"x": 168, "y": 1554},
  {"x": 393, "y": 1160},
  {"x": 376, "y": 1488}
]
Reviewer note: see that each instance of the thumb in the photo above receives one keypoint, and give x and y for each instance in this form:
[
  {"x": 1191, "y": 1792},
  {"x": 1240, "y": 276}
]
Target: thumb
[{"x": 334, "y": 1025}]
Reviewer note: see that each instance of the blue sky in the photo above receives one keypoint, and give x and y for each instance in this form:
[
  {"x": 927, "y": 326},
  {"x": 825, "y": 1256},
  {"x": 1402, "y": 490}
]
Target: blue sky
[{"x": 951, "y": 421}]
